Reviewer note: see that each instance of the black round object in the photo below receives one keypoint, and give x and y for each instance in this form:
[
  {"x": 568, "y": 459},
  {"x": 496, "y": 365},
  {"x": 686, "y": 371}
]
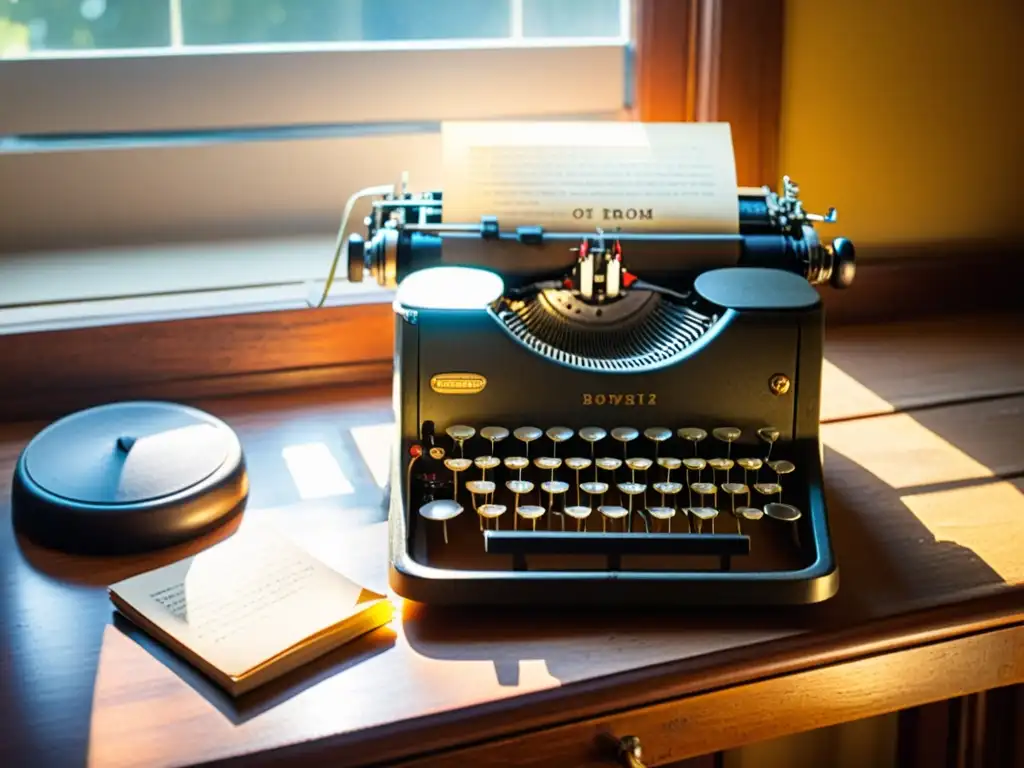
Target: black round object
[
  {"x": 844, "y": 263},
  {"x": 128, "y": 477}
]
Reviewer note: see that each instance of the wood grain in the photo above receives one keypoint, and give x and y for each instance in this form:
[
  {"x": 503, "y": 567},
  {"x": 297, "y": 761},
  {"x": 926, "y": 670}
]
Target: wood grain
[{"x": 925, "y": 561}]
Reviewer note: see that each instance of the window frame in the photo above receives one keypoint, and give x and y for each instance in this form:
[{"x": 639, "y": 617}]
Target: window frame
[{"x": 682, "y": 58}]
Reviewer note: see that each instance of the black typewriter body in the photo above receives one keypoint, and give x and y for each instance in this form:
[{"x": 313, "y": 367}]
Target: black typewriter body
[{"x": 659, "y": 446}]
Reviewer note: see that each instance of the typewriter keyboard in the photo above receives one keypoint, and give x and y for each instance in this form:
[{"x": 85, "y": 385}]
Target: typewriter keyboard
[{"x": 718, "y": 482}]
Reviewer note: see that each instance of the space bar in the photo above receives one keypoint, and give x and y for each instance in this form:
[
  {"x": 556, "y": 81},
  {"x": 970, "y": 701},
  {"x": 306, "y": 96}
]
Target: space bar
[{"x": 572, "y": 543}]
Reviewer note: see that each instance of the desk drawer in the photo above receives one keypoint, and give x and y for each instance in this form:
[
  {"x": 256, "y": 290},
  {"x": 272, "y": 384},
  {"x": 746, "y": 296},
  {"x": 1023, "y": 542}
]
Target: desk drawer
[{"x": 702, "y": 724}]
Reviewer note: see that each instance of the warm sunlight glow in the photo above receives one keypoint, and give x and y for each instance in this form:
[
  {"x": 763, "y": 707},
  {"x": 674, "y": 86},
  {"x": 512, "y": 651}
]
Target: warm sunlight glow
[
  {"x": 900, "y": 451},
  {"x": 969, "y": 516},
  {"x": 847, "y": 396},
  {"x": 374, "y": 444},
  {"x": 315, "y": 471}
]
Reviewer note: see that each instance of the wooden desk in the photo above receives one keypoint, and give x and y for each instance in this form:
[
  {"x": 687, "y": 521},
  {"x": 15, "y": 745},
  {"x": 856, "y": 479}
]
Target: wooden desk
[{"x": 925, "y": 468}]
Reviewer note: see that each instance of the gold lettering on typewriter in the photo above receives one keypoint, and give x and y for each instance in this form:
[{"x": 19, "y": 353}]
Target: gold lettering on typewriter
[
  {"x": 458, "y": 383},
  {"x": 626, "y": 399}
]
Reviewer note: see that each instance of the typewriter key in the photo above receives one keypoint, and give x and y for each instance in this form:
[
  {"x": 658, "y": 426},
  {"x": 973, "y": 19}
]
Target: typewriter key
[
  {"x": 638, "y": 464},
  {"x": 693, "y": 435},
  {"x": 611, "y": 512},
  {"x": 734, "y": 490},
  {"x": 720, "y": 465},
  {"x": 668, "y": 463},
  {"x": 456, "y": 466},
  {"x": 657, "y": 435},
  {"x": 577, "y": 465},
  {"x": 517, "y": 464},
  {"x": 663, "y": 513},
  {"x": 460, "y": 433},
  {"x": 769, "y": 435},
  {"x": 625, "y": 435},
  {"x": 547, "y": 463},
  {"x": 749, "y": 465},
  {"x": 579, "y": 514},
  {"x": 631, "y": 490},
  {"x": 492, "y": 512},
  {"x": 518, "y": 488},
  {"x": 727, "y": 435},
  {"x": 483, "y": 463},
  {"x": 552, "y": 487},
  {"x": 702, "y": 514},
  {"x": 593, "y": 434},
  {"x": 782, "y": 467},
  {"x": 667, "y": 489},
  {"x": 483, "y": 487},
  {"x": 558, "y": 435},
  {"x": 704, "y": 489},
  {"x": 494, "y": 435},
  {"x": 768, "y": 489},
  {"x": 750, "y": 513},
  {"x": 441, "y": 510},
  {"x": 608, "y": 463},
  {"x": 531, "y": 512},
  {"x": 527, "y": 435}
]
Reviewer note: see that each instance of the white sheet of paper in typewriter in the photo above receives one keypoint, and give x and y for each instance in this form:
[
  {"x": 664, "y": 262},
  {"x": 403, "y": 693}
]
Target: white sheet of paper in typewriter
[{"x": 578, "y": 176}]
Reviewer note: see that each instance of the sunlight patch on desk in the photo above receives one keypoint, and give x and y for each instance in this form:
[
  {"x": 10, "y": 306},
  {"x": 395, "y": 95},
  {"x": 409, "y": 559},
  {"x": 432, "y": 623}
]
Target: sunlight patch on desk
[
  {"x": 847, "y": 397},
  {"x": 987, "y": 519},
  {"x": 882, "y": 446},
  {"x": 315, "y": 471},
  {"x": 374, "y": 444}
]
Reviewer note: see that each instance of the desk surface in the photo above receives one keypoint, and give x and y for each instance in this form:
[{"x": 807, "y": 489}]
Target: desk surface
[{"x": 924, "y": 472}]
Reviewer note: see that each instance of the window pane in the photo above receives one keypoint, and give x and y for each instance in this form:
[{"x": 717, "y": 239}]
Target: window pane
[
  {"x": 570, "y": 18},
  {"x": 28, "y": 26},
  {"x": 220, "y": 22}
]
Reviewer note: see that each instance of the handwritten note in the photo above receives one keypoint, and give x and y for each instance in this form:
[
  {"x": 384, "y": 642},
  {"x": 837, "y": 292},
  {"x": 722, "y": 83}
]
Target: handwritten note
[{"x": 653, "y": 177}]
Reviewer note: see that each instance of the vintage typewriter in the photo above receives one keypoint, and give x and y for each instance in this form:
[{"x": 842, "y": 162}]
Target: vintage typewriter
[{"x": 603, "y": 418}]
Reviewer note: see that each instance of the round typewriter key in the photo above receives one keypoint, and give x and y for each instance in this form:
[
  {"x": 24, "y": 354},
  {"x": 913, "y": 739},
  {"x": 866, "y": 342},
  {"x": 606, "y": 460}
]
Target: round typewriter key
[
  {"x": 632, "y": 489},
  {"x": 608, "y": 463},
  {"x": 492, "y": 512},
  {"x": 749, "y": 465},
  {"x": 460, "y": 433},
  {"x": 768, "y": 489},
  {"x": 517, "y": 462},
  {"x": 787, "y": 513},
  {"x": 702, "y": 514},
  {"x": 494, "y": 434},
  {"x": 727, "y": 434},
  {"x": 480, "y": 486},
  {"x": 554, "y": 486},
  {"x": 667, "y": 489},
  {"x": 519, "y": 486},
  {"x": 750, "y": 513},
  {"x": 559, "y": 434},
  {"x": 625, "y": 434},
  {"x": 595, "y": 488},
  {"x": 663, "y": 513},
  {"x": 531, "y": 512},
  {"x": 483, "y": 463},
  {"x": 734, "y": 490},
  {"x": 704, "y": 488},
  {"x": 695, "y": 464},
  {"x": 693, "y": 435},
  {"x": 593, "y": 434},
  {"x": 527, "y": 435},
  {"x": 669, "y": 463},
  {"x": 579, "y": 514},
  {"x": 458, "y": 465},
  {"x": 721, "y": 465},
  {"x": 769, "y": 435},
  {"x": 611, "y": 512},
  {"x": 782, "y": 467},
  {"x": 658, "y": 434},
  {"x": 441, "y": 510},
  {"x": 639, "y": 464},
  {"x": 576, "y": 464},
  {"x": 547, "y": 462}
]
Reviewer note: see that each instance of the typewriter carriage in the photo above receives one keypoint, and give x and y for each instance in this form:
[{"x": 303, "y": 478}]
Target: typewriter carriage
[{"x": 606, "y": 330}]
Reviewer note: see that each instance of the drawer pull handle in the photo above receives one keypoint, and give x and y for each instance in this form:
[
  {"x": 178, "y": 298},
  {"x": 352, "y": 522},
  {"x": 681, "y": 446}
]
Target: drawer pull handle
[{"x": 630, "y": 752}]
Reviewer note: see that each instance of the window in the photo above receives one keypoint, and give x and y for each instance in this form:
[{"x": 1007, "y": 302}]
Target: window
[{"x": 131, "y": 123}]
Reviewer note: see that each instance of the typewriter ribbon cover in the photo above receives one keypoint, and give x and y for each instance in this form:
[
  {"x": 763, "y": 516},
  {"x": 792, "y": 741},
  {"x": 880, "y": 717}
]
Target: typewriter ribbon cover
[{"x": 657, "y": 177}]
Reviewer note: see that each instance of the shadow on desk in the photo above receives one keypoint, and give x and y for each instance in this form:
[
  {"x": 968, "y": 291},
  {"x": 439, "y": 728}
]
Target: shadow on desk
[
  {"x": 889, "y": 562},
  {"x": 243, "y": 708}
]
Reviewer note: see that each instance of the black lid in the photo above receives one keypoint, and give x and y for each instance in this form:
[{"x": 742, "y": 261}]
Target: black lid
[{"x": 128, "y": 477}]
